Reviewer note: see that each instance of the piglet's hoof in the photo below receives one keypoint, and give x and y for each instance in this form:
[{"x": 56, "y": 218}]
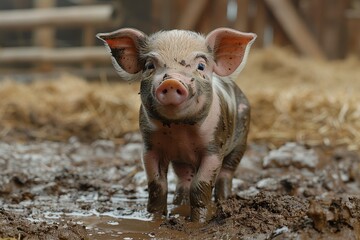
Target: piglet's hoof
[
  {"x": 181, "y": 196},
  {"x": 223, "y": 189},
  {"x": 157, "y": 209},
  {"x": 199, "y": 215},
  {"x": 157, "y": 206}
]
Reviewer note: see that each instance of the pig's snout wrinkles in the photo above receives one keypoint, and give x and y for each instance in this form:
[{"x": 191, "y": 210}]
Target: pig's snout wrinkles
[{"x": 171, "y": 92}]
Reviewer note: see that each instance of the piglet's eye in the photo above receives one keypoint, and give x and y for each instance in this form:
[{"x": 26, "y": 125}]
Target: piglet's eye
[
  {"x": 201, "y": 67},
  {"x": 149, "y": 66}
]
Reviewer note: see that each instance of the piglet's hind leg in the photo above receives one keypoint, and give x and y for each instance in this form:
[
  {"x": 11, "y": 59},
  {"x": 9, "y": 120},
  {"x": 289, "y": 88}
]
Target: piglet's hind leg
[{"x": 223, "y": 184}]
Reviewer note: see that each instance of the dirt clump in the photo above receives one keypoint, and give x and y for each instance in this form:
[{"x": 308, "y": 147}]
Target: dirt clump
[
  {"x": 273, "y": 216},
  {"x": 13, "y": 226},
  {"x": 263, "y": 214}
]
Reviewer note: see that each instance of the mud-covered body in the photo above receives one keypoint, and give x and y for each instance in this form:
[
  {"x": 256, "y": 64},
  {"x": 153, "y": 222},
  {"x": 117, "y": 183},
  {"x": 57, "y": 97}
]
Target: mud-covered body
[
  {"x": 216, "y": 143},
  {"x": 192, "y": 114}
]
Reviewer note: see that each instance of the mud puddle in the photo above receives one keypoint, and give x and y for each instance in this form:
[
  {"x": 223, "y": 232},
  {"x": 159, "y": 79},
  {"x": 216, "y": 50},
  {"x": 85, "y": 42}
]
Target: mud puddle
[{"x": 73, "y": 190}]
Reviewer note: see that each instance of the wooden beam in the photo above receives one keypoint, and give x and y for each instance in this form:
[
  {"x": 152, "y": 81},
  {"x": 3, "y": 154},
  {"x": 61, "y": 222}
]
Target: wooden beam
[
  {"x": 25, "y": 76},
  {"x": 37, "y": 55},
  {"x": 333, "y": 39},
  {"x": 58, "y": 17},
  {"x": 44, "y": 36},
  {"x": 353, "y": 33},
  {"x": 156, "y": 7},
  {"x": 219, "y": 13},
  {"x": 161, "y": 13},
  {"x": 295, "y": 28},
  {"x": 242, "y": 20},
  {"x": 260, "y": 23},
  {"x": 192, "y": 14}
]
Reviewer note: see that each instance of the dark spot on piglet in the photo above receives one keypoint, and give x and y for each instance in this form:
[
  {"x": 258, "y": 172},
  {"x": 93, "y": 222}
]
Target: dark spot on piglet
[{"x": 182, "y": 63}]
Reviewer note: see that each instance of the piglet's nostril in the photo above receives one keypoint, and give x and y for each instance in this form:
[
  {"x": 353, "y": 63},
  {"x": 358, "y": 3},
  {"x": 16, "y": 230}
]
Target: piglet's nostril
[{"x": 171, "y": 92}]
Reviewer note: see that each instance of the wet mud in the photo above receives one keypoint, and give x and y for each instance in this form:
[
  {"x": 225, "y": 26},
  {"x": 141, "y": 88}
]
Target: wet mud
[{"x": 98, "y": 190}]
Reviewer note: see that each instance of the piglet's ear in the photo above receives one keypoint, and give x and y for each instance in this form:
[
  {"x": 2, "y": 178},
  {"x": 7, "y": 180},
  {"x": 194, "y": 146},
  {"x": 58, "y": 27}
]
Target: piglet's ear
[
  {"x": 230, "y": 49},
  {"x": 124, "y": 47}
]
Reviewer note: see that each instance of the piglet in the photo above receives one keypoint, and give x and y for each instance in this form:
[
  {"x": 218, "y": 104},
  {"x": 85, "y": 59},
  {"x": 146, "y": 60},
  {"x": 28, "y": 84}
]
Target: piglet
[{"x": 192, "y": 113}]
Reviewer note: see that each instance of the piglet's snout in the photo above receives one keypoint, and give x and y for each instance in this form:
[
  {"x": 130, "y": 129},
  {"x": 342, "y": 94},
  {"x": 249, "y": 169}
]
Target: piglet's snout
[{"x": 171, "y": 92}]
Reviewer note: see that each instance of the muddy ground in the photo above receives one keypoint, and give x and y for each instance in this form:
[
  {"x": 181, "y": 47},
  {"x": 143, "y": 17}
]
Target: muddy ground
[
  {"x": 75, "y": 190},
  {"x": 56, "y": 186}
]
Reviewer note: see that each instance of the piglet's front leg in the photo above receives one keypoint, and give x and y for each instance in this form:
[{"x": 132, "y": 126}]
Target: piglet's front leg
[
  {"x": 202, "y": 186},
  {"x": 156, "y": 171}
]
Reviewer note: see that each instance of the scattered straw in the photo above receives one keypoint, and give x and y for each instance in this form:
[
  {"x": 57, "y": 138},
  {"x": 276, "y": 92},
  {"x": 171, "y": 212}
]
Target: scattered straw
[
  {"x": 293, "y": 99},
  {"x": 65, "y": 107}
]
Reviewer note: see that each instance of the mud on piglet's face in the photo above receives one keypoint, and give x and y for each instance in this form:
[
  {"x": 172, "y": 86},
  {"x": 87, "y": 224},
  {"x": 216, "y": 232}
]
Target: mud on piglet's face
[{"x": 176, "y": 83}]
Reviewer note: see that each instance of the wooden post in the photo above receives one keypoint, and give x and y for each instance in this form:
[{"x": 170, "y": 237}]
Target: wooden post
[
  {"x": 44, "y": 36},
  {"x": 192, "y": 14},
  {"x": 156, "y": 15},
  {"x": 88, "y": 37},
  {"x": 295, "y": 28},
  {"x": 326, "y": 20},
  {"x": 213, "y": 14},
  {"x": 242, "y": 20},
  {"x": 219, "y": 14},
  {"x": 179, "y": 7},
  {"x": 260, "y": 22},
  {"x": 161, "y": 14},
  {"x": 353, "y": 37}
]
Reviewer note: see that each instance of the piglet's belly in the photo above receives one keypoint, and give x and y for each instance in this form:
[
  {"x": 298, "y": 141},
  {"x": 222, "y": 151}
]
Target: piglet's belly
[{"x": 179, "y": 150}]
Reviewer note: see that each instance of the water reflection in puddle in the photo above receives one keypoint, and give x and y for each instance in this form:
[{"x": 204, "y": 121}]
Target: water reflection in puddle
[
  {"x": 105, "y": 227},
  {"x": 126, "y": 218}
]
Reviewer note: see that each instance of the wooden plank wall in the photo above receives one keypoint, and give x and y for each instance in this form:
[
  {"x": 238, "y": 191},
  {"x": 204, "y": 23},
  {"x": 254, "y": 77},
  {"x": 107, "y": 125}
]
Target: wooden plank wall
[
  {"x": 44, "y": 53},
  {"x": 315, "y": 28}
]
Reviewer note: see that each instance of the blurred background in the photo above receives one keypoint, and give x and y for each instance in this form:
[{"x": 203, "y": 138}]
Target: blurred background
[
  {"x": 302, "y": 76},
  {"x": 47, "y": 36}
]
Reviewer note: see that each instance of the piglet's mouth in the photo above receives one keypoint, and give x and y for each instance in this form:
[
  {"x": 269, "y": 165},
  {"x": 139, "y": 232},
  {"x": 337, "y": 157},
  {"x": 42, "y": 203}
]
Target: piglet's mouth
[{"x": 171, "y": 92}]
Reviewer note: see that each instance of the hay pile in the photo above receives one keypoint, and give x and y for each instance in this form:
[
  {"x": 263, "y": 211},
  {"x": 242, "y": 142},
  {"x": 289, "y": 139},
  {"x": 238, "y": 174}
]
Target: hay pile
[
  {"x": 65, "y": 107},
  {"x": 292, "y": 99},
  {"x": 302, "y": 99}
]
